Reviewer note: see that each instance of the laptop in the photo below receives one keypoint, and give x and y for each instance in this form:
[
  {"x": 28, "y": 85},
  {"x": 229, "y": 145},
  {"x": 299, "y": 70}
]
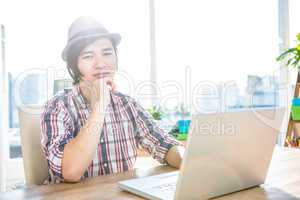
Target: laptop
[{"x": 225, "y": 153}]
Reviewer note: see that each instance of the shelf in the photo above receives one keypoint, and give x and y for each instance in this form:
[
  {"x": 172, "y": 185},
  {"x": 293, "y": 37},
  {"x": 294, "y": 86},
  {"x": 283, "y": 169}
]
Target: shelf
[{"x": 293, "y": 130}]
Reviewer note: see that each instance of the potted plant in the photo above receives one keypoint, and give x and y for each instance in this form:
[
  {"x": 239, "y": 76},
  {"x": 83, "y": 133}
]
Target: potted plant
[
  {"x": 156, "y": 112},
  {"x": 291, "y": 56},
  {"x": 158, "y": 115}
]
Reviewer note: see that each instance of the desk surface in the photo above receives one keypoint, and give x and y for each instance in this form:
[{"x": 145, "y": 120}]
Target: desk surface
[{"x": 283, "y": 182}]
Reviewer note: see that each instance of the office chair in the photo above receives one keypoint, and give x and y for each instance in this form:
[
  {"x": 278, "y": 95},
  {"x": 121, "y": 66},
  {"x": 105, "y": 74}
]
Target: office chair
[{"x": 35, "y": 164}]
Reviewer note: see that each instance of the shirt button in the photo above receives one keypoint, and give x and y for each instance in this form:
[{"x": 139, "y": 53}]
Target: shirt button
[
  {"x": 105, "y": 164},
  {"x": 102, "y": 141}
]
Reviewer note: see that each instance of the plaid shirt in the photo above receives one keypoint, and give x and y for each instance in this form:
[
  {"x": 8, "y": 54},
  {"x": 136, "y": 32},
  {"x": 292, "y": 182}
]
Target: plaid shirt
[{"x": 126, "y": 127}]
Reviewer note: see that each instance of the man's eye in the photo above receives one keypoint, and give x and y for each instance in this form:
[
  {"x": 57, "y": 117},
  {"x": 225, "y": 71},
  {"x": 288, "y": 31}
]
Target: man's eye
[
  {"x": 107, "y": 53},
  {"x": 87, "y": 57}
]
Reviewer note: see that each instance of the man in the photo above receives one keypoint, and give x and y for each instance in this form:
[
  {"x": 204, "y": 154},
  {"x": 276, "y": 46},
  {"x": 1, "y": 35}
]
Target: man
[{"x": 93, "y": 129}]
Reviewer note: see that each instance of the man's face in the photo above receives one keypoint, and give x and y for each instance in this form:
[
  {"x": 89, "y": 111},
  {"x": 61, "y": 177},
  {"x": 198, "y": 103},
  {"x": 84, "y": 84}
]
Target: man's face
[{"x": 97, "y": 60}]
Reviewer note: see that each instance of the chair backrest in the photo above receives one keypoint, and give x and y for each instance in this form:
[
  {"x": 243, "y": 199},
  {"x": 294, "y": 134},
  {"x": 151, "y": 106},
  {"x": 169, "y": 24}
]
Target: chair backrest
[{"x": 35, "y": 164}]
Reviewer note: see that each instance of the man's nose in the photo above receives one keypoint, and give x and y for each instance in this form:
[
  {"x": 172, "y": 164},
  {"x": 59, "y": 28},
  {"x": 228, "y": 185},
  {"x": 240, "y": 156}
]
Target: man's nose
[{"x": 100, "y": 62}]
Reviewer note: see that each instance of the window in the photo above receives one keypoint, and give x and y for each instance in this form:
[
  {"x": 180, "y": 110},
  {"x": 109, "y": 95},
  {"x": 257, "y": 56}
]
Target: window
[
  {"x": 294, "y": 7},
  {"x": 212, "y": 47}
]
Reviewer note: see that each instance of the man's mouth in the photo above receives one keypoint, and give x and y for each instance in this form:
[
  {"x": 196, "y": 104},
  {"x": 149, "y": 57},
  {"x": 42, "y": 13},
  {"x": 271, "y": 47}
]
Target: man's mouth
[{"x": 102, "y": 75}]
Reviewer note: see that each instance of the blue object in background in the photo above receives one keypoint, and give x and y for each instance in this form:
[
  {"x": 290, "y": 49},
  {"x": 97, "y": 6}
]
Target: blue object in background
[
  {"x": 183, "y": 126},
  {"x": 296, "y": 109},
  {"x": 296, "y": 102}
]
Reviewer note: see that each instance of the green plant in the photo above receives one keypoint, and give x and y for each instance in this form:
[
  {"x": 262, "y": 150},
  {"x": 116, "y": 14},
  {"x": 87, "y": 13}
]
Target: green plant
[
  {"x": 155, "y": 112},
  {"x": 291, "y": 56}
]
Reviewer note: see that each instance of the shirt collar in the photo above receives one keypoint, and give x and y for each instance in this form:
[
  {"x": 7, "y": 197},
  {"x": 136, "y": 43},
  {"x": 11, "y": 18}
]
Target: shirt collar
[{"x": 79, "y": 97}]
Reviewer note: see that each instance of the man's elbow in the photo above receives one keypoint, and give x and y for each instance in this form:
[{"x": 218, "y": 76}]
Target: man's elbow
[
  {"x": 71, "y": 175},
  {"x": 174, "y": 156}
]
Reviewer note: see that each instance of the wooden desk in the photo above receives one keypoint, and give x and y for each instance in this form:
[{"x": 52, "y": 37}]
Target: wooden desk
[{"x": 283, "y": 183}]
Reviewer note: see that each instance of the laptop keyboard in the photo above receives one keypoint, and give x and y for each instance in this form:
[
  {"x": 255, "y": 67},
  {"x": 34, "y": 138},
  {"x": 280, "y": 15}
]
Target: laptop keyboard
[{"x": 168, "y": 187}]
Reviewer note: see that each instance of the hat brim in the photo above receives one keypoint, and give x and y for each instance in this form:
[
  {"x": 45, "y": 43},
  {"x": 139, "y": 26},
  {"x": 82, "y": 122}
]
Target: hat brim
[{"x": 114, "y": 36}]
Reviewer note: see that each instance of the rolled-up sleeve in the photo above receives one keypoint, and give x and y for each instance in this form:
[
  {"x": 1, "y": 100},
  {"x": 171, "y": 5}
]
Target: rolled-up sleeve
[
  {"x": 150, "y": 135},
  {"x": 55, "y": 134}
]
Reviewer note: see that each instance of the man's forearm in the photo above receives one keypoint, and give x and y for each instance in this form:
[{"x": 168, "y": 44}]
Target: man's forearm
[{"x": 80, "y": 151}]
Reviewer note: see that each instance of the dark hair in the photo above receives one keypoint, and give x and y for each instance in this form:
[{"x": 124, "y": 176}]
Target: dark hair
[{"x": 73, "y": 54}]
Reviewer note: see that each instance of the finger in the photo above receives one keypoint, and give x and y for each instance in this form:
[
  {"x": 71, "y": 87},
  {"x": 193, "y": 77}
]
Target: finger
[
  {"x": 105, "y": 88},
  {"x": 111, "y": 84},
  {"x": 114, "y": 86}
]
